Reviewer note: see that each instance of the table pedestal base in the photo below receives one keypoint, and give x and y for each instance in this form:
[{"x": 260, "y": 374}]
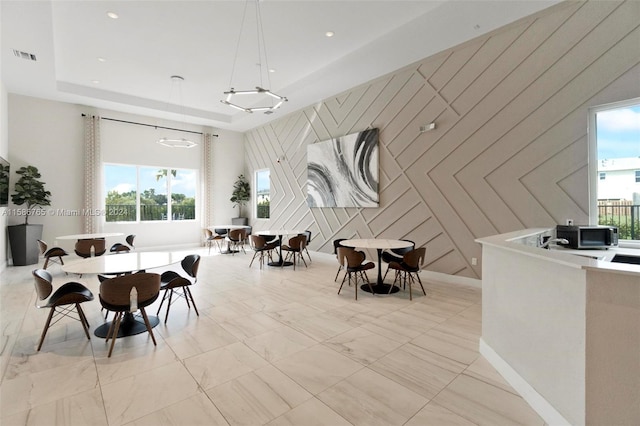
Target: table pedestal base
[
  {"x": 380, "y": 288},
  {"x": 129, "y": 326},
  {"x": 280, "y": 263}
]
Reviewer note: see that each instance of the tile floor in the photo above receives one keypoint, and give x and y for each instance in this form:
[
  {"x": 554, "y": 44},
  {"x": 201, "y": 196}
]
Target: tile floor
[{"x": 271, "y": 346}]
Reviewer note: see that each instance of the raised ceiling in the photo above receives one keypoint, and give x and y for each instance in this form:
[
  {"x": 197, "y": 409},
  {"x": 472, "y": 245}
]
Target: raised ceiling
[{"x": 153, "y": 40}]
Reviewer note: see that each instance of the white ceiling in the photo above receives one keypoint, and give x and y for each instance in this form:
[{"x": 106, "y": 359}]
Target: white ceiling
[{"x": 153, "y": 40}]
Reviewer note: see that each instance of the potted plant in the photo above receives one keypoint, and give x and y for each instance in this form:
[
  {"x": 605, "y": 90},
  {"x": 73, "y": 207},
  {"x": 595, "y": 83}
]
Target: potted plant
[
  {"x": 23, "y": 238},
  {"x": 240, "y": 196}
]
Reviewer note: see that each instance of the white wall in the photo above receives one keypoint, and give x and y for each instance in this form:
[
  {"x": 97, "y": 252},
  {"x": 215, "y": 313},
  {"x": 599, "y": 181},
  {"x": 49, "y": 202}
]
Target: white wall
[
  {"x": 4, "y": 151},
  {"x": 49, "y": 135}
]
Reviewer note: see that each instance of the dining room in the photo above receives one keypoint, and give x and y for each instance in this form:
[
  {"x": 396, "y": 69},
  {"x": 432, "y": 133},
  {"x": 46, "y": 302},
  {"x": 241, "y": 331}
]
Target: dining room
[{"x": 477, "y": 134}]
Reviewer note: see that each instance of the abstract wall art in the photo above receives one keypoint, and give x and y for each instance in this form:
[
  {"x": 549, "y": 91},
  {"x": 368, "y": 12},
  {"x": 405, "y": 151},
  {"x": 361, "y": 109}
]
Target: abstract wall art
[{"x": 343, "y": 172}]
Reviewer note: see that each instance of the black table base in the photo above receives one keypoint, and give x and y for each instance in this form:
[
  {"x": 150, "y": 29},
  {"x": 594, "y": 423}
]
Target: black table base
[
  {"x": 129, "y": 326},
  {"x": 280, "y": 263},
  {"x": 380, "y": 288}
]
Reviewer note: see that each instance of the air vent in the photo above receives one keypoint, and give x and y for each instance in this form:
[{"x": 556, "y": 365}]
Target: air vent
[{"x": 24, "y": 55}]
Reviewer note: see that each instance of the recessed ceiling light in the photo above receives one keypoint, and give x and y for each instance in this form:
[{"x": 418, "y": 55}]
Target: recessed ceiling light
[
  {"x": 102, "y": 60},
  {"x": 329, "y": 33},
  {"x": 272, "y": 70},
  {"x": 112, "y": 15},
  {"x": 95, "y": 81}
]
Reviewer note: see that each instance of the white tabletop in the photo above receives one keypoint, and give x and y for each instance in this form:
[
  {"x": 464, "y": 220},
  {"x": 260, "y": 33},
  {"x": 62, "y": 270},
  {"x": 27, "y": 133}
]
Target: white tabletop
[
  {"x": 122, "y": 262},
  {"x": 228, "y": 227},
  {"x": 279, "y": 232},
  {"x": 89, "y": 236},
  {"x": 376, "y": 243}
]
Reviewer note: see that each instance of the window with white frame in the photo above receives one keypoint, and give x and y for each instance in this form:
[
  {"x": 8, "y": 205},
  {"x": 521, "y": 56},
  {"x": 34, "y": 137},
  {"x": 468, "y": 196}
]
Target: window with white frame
[
  {"x": 262, "y": 188},
  {"x": 614, "y": 162},
  {"x": 142, "y": 193}
]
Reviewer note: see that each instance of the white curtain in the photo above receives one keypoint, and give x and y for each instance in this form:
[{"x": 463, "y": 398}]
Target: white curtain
[
  {"x": 92, "y": 174},
  {"x": 206, "y": 177}
]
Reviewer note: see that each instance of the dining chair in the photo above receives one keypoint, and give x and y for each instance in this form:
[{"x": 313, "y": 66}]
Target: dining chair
[
  {"x": 51, "y": 254},
  {"x": 211, "y": 238},
  {"x": 295, "y": 249},
  {"x": 119, "y": 248},
  {"x": 174, "y": 283},
  {"x": 116, "y": 296},
  {"x": 261, "y": 249},
  {"x": 355, "y": 267},
  {"x": 129, "y": 239},
  {"x": 62, "y": 302},
  {"x": 236, "y": 239},
  {"x": 395, "y": 255},
  {"x": 83, "y": 247},
  {"x": 408, "y": 268},
  {"x": 338, "y": 243},
  {"x": 307, "y": 233}
]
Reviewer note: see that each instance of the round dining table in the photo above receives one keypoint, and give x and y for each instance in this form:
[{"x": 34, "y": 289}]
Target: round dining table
[
  {"x": 118, "y": 264},
  {"x": 279, "y": 233},
  {"x": 380, "y": 244},
  {"x": 94, "y": 235}
]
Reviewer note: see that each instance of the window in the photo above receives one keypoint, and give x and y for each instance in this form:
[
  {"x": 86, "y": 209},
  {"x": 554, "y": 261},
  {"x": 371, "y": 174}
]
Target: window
[
  {"x": 262, "y": 187},
  {"x": 139, "y": 193},
  {"x": 614, "y": 167}
]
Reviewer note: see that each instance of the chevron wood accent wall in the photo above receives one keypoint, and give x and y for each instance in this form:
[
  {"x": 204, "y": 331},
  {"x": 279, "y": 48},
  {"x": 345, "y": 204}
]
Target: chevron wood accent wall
[{"x": 509, "y": 150}]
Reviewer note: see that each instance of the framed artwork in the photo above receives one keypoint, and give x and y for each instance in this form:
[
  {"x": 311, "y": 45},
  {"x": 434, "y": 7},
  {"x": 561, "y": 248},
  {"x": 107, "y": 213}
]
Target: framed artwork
[{"x": 343, "y": 172}]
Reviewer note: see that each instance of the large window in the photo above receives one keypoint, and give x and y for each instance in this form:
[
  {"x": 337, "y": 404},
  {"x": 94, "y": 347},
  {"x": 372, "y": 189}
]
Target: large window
[
  {"x": 614, "y": 161},
  {"x": 262, "y": 186},
  {"x": 139, "y": 193}
]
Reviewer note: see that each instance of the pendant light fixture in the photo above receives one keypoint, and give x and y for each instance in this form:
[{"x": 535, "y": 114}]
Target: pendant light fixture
[
  {"x": 261, "y": 95},
  {"x": 177, "y": 80}
]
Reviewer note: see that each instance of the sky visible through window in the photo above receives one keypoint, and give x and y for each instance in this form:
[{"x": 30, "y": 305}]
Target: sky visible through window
[{"x": 618, "y": 133}]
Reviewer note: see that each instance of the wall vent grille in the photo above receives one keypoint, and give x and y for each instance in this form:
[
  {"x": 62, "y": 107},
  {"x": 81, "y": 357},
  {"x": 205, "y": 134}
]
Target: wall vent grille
[{"x": 24, "y": 55}]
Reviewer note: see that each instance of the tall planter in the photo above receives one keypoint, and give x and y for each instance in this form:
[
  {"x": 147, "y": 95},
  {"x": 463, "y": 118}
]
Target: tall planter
[{"x": 24, "y": 243}]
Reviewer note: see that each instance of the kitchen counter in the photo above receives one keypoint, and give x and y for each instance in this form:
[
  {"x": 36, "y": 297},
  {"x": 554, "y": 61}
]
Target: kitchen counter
[{"x": 563, "y": 327}]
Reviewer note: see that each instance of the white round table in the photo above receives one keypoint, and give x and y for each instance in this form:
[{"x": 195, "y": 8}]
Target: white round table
[
  {"x": 379, "y": 244},
  {"x": 95, "y": 235},
  {"x": 228, "y": 228}
]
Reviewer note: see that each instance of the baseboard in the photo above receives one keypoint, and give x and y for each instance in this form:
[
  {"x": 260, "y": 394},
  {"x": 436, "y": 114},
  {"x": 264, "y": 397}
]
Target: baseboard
[
  {"x": 549, "y": 414},
  {"x": 451, "y": 279}
]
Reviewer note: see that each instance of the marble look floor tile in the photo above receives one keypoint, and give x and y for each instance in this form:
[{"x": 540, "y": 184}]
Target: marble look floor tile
[
  {"x": 292, "y": 312},
  {"x": 450, "y": 345},
  {"x": 362, "y": 345},
  {"x": 484, "y": 404},
  {"x": 434, "y": 414},
  {"x": 197, "y": 410},
  {"x": 31, "y": 390},
  {"x": 313, "y": 412},
  {"x": 221, "y": 365},
  {"x": 321, "y": 327},
  {"x": 368, "y": 398},
  {"x": 279, "y": 343},
  {"x": 147, "y": 392},
  {"x": 481, "y": 369},
  {"x": 317, "y": 368},
  {"x": 257, "y": 397},
  {"x": 84, "y": 408},
  {"x": 418, "y": 369},
  {"x": 251, "y": 325},
  {"x": 400, "y": 326},
  {"x": 201, "y": 336}
]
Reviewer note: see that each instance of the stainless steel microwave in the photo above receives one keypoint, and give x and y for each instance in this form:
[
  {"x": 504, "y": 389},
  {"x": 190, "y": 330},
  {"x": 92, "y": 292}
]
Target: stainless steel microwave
[{"x": 588, "y": 236}]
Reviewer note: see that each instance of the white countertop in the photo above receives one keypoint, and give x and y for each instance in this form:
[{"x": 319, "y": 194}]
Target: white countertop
[{"x": 583, "y": 259}]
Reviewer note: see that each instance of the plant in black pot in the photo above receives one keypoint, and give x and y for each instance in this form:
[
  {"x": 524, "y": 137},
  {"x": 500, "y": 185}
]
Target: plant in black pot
[
  {"x": 240, "y": 196},
  {"x": 24, "y": 238}
]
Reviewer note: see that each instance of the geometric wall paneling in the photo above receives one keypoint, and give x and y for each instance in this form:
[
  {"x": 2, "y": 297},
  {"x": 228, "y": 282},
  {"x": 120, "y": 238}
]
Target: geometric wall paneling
[{"x": 510, "y": 145}]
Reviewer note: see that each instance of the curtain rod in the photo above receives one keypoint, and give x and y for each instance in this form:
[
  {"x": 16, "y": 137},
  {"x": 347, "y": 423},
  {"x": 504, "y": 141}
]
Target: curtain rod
[{"x": 149, "y": 125}]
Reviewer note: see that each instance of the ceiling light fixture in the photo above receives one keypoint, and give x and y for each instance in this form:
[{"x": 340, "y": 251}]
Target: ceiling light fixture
[
  {"x": 261, "y": 95},
  {"x": 175, "y": 142},
  {"x": 112, "y": 15},
  {"x": 329, "y": 34}
]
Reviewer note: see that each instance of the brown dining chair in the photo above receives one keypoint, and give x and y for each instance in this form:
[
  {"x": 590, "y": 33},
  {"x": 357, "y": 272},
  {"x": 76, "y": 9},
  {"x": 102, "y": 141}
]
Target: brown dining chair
[
  {"x": 115, "y": 296},
  {"x": 175, "y": 284},
  {"x": 129, "y": 239},
  {"x": 236, "y": 238},
  {"x": 355, "y": 267},
  {"x": 119, "y": 248},
  {"x": 295, "y": 249},
  {"x": 407, "y": 269},
  {"x": 306, "y": 247},
  {"x": 83, "y": 247},
  {"x": 51, "y": 254},
  {"x": 261, "y": 249},
  {"x": 395, "y": 255},
  {"x": 62, "y": 302}
]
